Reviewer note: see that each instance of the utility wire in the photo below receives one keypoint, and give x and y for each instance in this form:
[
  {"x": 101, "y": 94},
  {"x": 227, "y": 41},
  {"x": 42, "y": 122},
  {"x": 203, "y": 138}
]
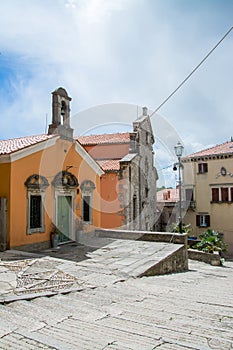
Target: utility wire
[
  {"x": 166, "y": 167},
  {"x": 193, "y": 71}
]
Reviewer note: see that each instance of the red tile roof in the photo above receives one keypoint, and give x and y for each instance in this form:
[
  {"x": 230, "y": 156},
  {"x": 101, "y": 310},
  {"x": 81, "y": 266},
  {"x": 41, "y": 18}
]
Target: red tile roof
[
  {"x": 14, "y": 145},
  {"x": 110, "y": 151},
  {"x": 168, "y": 195},
  {"x": 109, "y": 165},
  {"x": 104, "y": 139},
  {"x": 224, "y": 148}
]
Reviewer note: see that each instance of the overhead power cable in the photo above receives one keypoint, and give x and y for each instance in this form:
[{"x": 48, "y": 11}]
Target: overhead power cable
[{"x": 190, "y": 74}]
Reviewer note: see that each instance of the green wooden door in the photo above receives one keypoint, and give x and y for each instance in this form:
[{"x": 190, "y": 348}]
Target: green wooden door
[{"x": 64, "y": 217}]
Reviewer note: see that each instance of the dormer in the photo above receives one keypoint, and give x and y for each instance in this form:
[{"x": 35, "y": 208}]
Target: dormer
[{"x": 61, "y": 114}]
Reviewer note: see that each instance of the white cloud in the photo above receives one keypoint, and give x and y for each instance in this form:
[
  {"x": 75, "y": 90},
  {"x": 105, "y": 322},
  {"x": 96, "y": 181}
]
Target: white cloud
[{"x": 128, "y": 51}]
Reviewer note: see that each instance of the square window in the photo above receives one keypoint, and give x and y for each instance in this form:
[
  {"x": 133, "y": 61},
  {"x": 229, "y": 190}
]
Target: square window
[
  {"x": 189, "y": 194},
  {"x": 202, "y": 168},
  {"x": 203, "y": 220}
]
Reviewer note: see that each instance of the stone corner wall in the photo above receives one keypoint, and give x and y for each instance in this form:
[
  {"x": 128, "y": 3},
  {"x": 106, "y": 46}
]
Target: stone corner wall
[
  {"x": 209, "y": 258},
  {"x": 176, "y": 262},
  {"x": 168, "y": 237}
]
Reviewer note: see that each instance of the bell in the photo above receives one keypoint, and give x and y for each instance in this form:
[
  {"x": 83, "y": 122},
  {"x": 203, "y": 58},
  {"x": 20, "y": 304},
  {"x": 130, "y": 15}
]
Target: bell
[{"x": 62, "y": 111}]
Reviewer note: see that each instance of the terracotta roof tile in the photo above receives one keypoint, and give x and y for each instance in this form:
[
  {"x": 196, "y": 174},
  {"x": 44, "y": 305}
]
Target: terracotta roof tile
[
  {"x": 109, "y": 165},
  {"x": 104, "y": 152},
  {"x": 104, "y": 139},
  {"x": 224, "y": 148},
  {"x": 14, "y": 145}
]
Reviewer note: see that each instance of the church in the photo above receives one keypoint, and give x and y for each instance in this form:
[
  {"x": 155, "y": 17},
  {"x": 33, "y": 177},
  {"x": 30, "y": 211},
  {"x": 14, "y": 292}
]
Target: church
[{"x": 58, "y": 182}]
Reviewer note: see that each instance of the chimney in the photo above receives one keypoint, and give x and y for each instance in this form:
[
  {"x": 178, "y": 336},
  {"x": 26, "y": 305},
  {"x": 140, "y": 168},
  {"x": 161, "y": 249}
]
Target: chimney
[{"x": 144, "y": 111}]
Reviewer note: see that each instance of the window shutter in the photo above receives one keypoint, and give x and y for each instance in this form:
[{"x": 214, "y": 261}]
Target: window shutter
[
  {"x": 199, "y": 168},
  {"x": 198, "y": 220},
  {"x": 207, "y": 220},
  {"x": 205, "y": 167},
  {"x": 224, "y": 192},
  {"x": 215, "y": 195}
]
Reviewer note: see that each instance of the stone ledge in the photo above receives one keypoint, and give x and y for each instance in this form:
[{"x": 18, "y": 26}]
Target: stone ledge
[
  {"x": 209, "y": 258},
  {"x": 167, "y": 237}
]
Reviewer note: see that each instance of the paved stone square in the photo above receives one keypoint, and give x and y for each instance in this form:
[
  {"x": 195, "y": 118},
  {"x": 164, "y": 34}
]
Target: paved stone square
[
  {"x": 190, "y": 310},
  {"x": 46, "y": 276}
]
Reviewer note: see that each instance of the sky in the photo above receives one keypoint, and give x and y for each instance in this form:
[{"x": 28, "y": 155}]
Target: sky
[{"x": 113, "y": 57}]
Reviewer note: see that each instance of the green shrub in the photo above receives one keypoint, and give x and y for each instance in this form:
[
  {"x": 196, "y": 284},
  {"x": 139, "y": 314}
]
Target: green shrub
[
  {"x": 185, "y": 228},
  {"x": 211, "y": 241}
]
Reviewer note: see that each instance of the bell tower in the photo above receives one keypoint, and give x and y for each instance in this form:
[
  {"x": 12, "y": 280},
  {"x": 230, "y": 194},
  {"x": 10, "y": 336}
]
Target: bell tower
[{"x": 61, "y": 114}]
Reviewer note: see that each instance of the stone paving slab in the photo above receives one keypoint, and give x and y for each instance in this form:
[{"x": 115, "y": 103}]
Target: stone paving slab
[
  {"x": 119, "y": 260},
  {"x": 26, "y": 279},
  {"x": 184, "y": 311},
  {"x": 110, "y": 311}
]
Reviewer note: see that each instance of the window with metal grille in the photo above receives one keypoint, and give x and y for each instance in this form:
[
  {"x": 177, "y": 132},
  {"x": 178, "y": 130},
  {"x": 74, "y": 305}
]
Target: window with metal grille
[
  {"x": 86, "y": 209},
  {"x": 35, "y": 212}
]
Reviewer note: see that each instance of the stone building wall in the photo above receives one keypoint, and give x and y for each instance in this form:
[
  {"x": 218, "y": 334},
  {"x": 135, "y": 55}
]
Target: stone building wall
[{"x": 138, "y": 168}]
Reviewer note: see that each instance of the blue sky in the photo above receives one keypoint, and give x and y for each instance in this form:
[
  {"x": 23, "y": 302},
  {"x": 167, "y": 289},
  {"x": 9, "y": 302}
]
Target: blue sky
[{"x": 108, "y": 52}]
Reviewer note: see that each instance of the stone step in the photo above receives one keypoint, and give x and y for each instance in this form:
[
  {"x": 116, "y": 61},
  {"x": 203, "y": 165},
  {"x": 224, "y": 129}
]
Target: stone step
[
  {"x": 17, "y": 342},
  {"x": 16, "y": 320},
  {"x": 38, "y": 312}
]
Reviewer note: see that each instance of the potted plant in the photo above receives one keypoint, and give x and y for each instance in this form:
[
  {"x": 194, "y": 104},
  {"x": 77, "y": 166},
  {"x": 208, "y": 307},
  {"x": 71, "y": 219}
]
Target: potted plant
[
  {"x": 54, "y": 234},
  {"x": 79, "y": 229},
  {"x": 211, "y": 242}
]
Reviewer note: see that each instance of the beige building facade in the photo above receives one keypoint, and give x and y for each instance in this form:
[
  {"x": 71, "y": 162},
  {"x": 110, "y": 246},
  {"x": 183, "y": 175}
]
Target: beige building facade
[
  {"x": 208, "y": 191},
  {"x": 167, "y": 205}
]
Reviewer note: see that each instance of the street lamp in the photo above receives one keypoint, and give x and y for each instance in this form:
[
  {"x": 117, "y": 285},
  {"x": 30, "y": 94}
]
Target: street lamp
[{"x": 178, "y": 151}]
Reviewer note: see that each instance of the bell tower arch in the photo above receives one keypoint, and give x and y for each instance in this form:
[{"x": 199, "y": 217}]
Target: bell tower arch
[{"x": 61, "y": 114}]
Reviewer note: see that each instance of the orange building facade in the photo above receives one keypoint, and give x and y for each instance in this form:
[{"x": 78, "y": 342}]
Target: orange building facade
[
  {"x": 128, "y": 185},
  {"x": 46, "y": 180},
  {"x": 57, "y": 183}
]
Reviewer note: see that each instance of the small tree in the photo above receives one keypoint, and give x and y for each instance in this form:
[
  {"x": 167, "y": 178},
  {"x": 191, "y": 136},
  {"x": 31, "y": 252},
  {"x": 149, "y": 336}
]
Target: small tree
[
  {"x": 211, "y": 241},
  {"x": 185, "y": 228}
]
